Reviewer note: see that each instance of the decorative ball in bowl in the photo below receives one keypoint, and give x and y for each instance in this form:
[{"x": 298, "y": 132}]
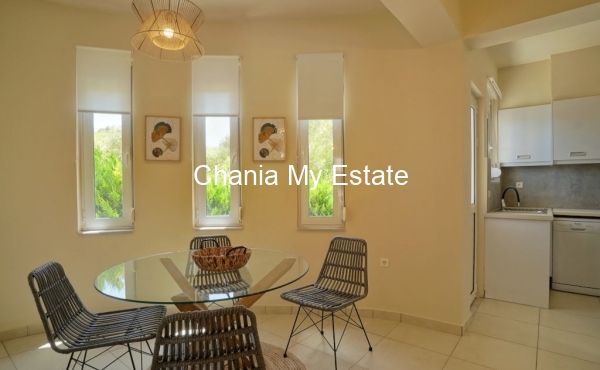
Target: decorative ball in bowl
[{"x": 221, "y": 258}]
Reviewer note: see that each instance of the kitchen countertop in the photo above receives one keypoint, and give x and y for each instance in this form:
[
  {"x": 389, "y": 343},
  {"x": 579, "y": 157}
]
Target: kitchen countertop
[
  {"x": 522, "y": 215},
  {"x": 595, "y": 213},
  {"x": 552, "y": 213}
]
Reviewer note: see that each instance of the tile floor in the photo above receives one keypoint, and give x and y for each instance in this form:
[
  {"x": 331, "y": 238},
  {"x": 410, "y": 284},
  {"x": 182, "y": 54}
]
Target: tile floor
[{"x": 503, "y": 336}]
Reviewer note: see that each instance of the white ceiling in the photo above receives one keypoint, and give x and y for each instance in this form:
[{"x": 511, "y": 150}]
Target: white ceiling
[
  {"x": 542, "y": 47},
  {"x": 255, "y": 9},
  {"x": 524, "y": 43}
]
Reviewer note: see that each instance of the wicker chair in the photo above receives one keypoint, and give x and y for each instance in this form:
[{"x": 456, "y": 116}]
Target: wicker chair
[
  {"x": 219, "y": 339},
  {"x": 205, "y": 241},
  {"x": 341, "y": 282},
  {"x": 199, "y": 280},
  {"x": 66, "y": 319}
]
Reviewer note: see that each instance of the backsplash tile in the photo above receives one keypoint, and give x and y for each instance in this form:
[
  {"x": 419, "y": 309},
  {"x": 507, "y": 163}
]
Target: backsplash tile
[{"x": 559, "y": 186}]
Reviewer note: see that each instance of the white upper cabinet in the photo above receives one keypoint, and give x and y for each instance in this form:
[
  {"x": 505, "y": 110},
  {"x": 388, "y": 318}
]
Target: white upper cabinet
[
  {"x": 576, "y": 130},
  {"x": 525, "y": 136}
]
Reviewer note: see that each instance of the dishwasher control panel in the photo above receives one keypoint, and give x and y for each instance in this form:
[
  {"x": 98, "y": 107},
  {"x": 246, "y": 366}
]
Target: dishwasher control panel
[{"x": 591, "y": 226}]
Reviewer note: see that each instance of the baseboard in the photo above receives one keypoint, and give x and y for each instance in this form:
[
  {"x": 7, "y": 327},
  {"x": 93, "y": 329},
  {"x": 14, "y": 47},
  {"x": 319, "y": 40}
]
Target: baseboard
[
  {"x": 289, "y": 310},
  {"x": 21, "y": 332}
]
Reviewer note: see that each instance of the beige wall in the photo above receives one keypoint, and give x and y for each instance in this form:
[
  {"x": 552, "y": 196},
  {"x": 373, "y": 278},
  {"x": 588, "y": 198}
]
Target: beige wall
[
  {"x": 567, "y": 75},
  {"x": 404, "y": 109},
  {"x": 525, "y": 85},
  {"x": 481, "y": 16},
  {"x": 576, "y": 74}
]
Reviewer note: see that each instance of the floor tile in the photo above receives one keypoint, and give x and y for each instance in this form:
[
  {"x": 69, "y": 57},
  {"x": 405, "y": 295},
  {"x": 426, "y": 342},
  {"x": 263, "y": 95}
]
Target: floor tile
[
  {"x": 392, "y": 355},
  {"x": 356, "y": 367},
  {"x": 317, "y": 360},
  {"x": 47, "y": 359},
  {"x": 570, "y": 344},
  {"x": 6, "y": 364},
  {"x": 3, "y": 353},
  {"x": 582, "y": 297},
  {"x": 510, "y": 311},
  {"x": 15, "y": 346},
  {"x": 570, "y": 322},
  {"x": 274, "y": 339},
  {"x": 379, "y": 326},
  {"x": 495, "y": 353},
  {"x": 260, "y": 317},
  {"x": 425, "y": 338},
  {"x": 575, "y": 306},
  {"x": 282, "y": 325},
  {"x": 506, "y": 329},
  {"x": 352, "y": 348},
  {"x": 554, "y": 361},
  {"x": 457, "y": 364}
]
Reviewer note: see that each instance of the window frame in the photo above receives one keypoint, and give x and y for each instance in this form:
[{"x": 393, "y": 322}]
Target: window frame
[
  {"x": 103, "y": 85},
  {"x": 337, "y": 221},
  {"x": 203, "y": 221},
  {"x": 86, "y": 173}
]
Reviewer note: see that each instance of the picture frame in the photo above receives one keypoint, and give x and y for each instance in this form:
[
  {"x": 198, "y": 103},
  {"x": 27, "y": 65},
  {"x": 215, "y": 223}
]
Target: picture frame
[
  {"x": 269, "y": 139},
  {"x": 163, "y": 138}
]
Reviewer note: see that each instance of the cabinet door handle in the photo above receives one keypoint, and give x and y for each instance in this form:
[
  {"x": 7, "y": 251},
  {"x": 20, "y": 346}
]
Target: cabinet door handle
[
  {"x": 577, "y": 154},
  {"x": 524, "y": 156},
  {"x": 578, "y": 229}
]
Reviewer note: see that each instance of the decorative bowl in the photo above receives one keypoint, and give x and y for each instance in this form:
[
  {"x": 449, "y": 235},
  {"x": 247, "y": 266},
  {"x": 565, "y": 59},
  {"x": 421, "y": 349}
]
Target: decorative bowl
[{"x": 221, "y": 258}]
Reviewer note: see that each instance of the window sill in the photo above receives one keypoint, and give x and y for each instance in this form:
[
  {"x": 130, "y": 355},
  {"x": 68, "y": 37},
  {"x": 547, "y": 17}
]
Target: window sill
[
  {"x": 92, "y": 232},
  {"x": 323, "y": 227},
  {"x": 206, "y": 228}
]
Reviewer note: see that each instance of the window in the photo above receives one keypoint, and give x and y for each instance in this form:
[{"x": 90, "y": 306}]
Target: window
[
  {"x": 321, "y": 145},
  {"x": 217, "y": 197},
  {"x": 105, "y": 176}
]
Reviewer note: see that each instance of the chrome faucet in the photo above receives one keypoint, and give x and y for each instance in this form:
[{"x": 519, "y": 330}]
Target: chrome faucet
[{"x": 516, "y": 191}]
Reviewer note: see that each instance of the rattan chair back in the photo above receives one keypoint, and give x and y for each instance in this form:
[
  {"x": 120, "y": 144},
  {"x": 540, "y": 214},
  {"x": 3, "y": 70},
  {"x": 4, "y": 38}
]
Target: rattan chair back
[
  {"x": 345, "y": 267},
  {"x": 66, "y": 319},
  {"x": 225, "y": 338},
  {"x": 207, "y": 241},
  {"x": 57, "y": 303}
]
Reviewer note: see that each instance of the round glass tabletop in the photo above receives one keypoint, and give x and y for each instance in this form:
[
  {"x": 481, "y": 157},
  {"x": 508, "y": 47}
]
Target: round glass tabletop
[{"x": 174, "y": 278}]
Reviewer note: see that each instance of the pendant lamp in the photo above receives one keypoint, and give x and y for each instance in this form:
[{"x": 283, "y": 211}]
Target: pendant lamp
[{"x": 168, "y": 30}]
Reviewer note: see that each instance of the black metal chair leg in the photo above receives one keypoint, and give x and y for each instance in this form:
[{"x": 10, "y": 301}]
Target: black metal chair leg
[
  {"x": 334, "y": 343},
  {"x": 130, "y": 355},
  {"x": 363, "y": 327},
  {"x": 84, "y": 357},
  {"x": 322, "y": 319},
  {"x": 292, "y": 332}
]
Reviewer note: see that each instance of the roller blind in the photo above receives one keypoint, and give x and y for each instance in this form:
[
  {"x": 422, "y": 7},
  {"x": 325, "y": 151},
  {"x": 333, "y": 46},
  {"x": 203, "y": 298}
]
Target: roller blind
[
  {"x": 103, "y": 80},
  {"x": 320, "y": 86},
  {"x": 215, "y": 86}
]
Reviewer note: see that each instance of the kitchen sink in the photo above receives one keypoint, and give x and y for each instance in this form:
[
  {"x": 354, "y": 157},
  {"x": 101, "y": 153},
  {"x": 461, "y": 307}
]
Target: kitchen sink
[{"x": 541, "y": 211}]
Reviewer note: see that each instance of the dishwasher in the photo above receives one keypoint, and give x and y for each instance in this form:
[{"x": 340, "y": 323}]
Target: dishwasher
[{"x": 576, "y": 255}]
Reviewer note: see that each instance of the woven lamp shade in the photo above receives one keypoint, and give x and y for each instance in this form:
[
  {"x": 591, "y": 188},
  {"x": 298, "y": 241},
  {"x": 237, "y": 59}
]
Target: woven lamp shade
[{"x": 168, "y": 30}]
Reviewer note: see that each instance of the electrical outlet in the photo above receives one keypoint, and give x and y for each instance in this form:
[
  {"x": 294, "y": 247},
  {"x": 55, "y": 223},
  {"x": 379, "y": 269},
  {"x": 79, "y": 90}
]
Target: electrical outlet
[
  {"x": 519, "y": 185},
  {"x": 384, "y": 262}
]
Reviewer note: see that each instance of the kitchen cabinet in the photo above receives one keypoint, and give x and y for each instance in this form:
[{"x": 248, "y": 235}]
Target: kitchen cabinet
[
  {"x": 525, "y": 136},
  {"x": 576, "y": 126},
  {"x": 517, "y": 259}
]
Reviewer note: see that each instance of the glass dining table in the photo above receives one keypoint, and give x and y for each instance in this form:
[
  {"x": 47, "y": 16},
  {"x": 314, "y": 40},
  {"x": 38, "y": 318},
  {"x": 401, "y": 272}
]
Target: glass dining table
[{"x": 174, "y": 278}]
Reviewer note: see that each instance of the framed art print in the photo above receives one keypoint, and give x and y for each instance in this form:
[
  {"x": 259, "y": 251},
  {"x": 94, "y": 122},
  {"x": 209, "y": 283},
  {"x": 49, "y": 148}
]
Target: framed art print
[
  {"x": 162, "y": 138},
  {"x": 269, "y": 139}
]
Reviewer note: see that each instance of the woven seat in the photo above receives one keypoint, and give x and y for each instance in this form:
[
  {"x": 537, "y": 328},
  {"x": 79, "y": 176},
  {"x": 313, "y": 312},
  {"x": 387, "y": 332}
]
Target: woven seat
[
  {"x": 225, "y": 338},
  {"x": 342, "y": 281},
  {"x": 65, "y": 318}
]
